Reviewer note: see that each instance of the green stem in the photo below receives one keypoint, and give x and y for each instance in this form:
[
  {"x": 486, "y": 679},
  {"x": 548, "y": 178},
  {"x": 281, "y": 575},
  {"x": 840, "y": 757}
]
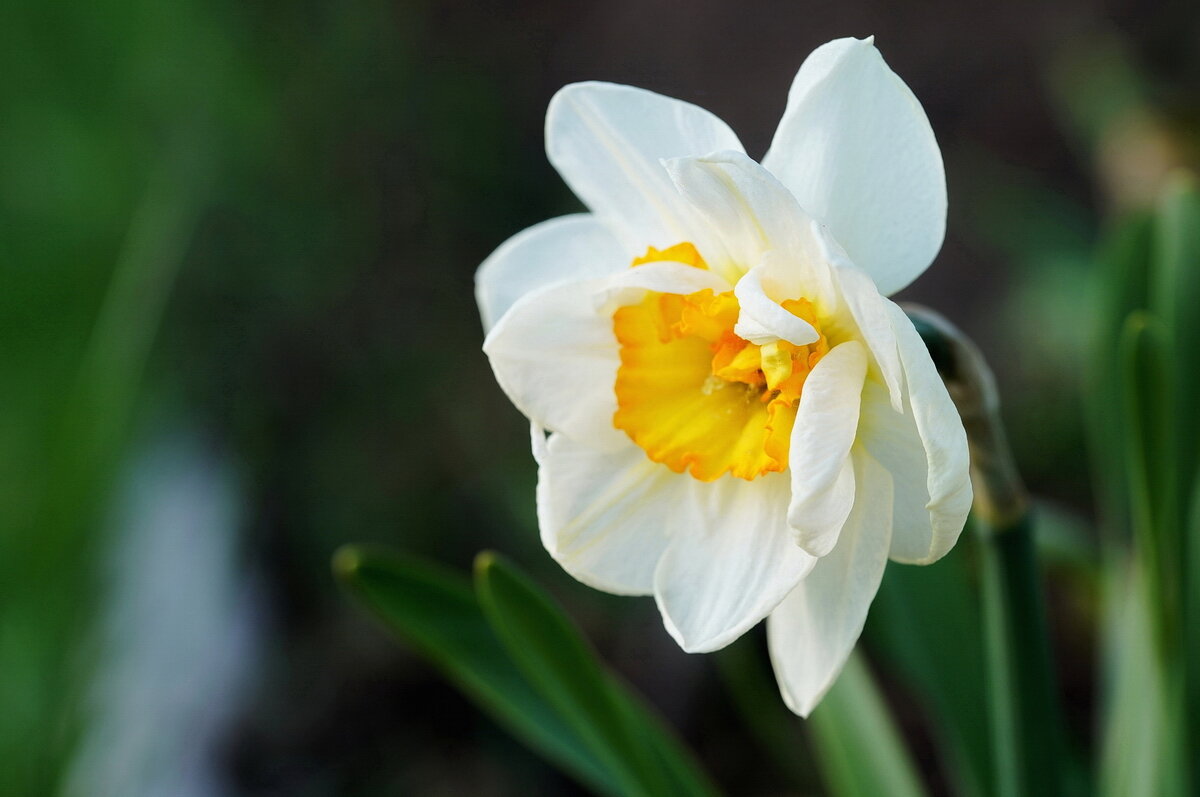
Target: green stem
[
  {"x": 1025, "y": 719},
  {"x": 1026, "y": 723}
]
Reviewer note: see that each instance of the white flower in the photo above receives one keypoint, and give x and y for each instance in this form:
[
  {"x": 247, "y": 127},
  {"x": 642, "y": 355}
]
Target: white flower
[{"x": 740, "y": 423}]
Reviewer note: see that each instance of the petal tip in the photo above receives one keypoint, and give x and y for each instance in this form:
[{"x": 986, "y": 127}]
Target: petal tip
[
  {"x": 708, "y": 644},
  {"x": 804, "y": 707},
  {"x": 815, "y": 544},
  {"x": 803, "y": 703}
]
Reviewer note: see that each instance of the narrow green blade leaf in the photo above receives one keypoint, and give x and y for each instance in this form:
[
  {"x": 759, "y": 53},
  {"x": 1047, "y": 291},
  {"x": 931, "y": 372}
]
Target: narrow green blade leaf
[
  {"x": 683, "y": 772},
  {"x": 643, "y": 756},
  {"x": 1192, "y": 616},
  {"x": 1120, "y": 288},
  {"x": 1140, "y": 756},
  {"x": 1175, "y": 298},
  {"x": 1030, "y": 753},
  {"x": 926, "y": 624},
  {"x": 436, "y": 611},
  {"x": 858, "y": 747},
  {"x": 1146, "y": 355}
]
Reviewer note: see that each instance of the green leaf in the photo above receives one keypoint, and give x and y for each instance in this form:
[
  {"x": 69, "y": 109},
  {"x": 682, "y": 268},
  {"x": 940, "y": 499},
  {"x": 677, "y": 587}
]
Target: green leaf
[
  {"x": 621, "y": 732},
  {"x": 1120, "y": 288},
  {"x": 47, "y": 599},
  {"x": 1030, "y": 754},
  {"x": 1175, "y": 298},
  {"x": 1140, "y": 754},
  {"x": 925, "y": 623},
  {"x": 1146, "y": 358},
  {"x": 858, "y": 747},
  {"x": 436, "y": 611},
  {"x": 1192, "y": 614}
]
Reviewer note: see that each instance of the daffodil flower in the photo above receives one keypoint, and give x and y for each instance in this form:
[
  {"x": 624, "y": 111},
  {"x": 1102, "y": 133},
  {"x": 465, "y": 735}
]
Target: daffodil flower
[{"x": 739, "y": 423}]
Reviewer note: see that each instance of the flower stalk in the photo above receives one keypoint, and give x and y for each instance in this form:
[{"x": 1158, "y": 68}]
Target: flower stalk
[{"x": 1025, "y": 718}]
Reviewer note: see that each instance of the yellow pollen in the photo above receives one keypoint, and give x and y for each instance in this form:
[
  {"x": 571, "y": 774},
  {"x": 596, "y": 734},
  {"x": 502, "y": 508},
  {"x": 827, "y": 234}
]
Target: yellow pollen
[{"x": 696, "y": 397}]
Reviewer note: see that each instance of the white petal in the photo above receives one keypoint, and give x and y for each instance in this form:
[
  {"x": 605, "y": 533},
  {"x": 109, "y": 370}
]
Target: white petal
[
  {"x": 608, "y": 142},
  {"x": 811, "y": 633},
  {"x": 893, "y": 440},
  {"x": 870, "y": 313},
  {"x": 630, "y": 285},
  {"x": 730, "y": 560},
  {"x": 538, "y": 442},
  {"x": 604, "y": 516},
  {"x": 555, "y": 356},
  {"x": 761, "y": 318},
  {"x": 826, "y": 424},
  {"x": 749, "y": 210},
  {"x": 856, "y": 149},
  {"x": 566, "y": 249},
  {"x": 925, "y": 449}
]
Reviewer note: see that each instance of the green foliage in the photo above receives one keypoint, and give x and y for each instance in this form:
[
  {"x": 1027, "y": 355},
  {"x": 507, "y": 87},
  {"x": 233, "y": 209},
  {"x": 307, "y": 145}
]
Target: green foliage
[
  {"x": 925, "y": 622},
  {"x": 859, "y": 749},
  {"x": 552, "y": 654},
  {"x": 1140, "y": 751},
  {"x": 513, "y": 651},
  {"x": 1147, "y": 441},
  {"x": 1119, "y": 287},
  {"x": 51, "y": 547},
  {"x": 436, "y": 611},
  {"x": 105, "y": 179},
  {"x": 1145, "y": 354},
  {"x": 1175, "y": 298},
  {"x": 1030, "y": 755}
]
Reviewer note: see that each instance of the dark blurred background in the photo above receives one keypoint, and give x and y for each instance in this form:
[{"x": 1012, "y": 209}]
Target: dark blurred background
[{"x": 237, "y": 330}]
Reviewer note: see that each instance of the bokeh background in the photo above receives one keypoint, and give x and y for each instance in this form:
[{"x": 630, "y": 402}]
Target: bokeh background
[{"x": 237, "y": 330}]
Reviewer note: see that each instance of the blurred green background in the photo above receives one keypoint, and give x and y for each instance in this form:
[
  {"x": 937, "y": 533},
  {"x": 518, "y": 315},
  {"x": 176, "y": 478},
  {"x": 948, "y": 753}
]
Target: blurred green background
[{"x": 237, "y": 330}]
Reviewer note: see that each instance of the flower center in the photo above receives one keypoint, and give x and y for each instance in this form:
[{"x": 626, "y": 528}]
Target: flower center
[{"x": 695, "y": 396}]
